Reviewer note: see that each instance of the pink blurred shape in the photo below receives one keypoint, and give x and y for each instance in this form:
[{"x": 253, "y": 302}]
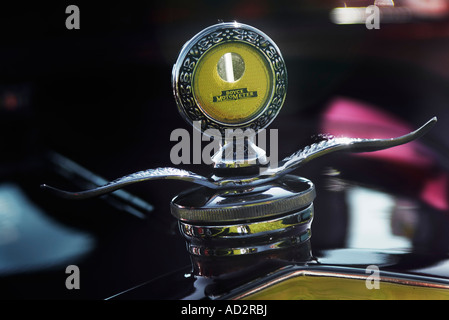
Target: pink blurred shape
[
  {"x": 350, "y": 118},
  {"x": 346, "y": 117}
]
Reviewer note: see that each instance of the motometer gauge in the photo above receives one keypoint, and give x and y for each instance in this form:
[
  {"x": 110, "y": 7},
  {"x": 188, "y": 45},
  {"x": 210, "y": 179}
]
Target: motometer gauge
[{"x": 230, "y": 75}]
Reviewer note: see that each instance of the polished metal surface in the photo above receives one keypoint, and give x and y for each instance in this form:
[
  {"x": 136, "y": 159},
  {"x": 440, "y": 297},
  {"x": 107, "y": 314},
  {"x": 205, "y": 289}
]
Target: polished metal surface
[
  {"x": 253, "y": 248},
  {"x": 248, "y": 229},
  {"x": 250, "y": 155},
  {"x": 203, "y": 205},
  {"x": 287, "y": 165},
  {"x": 248, "y": 237},
  {"x": 384, "y": 209},
  {"x": 262, "y": 213},
  {"x": 228, "y": 34}
]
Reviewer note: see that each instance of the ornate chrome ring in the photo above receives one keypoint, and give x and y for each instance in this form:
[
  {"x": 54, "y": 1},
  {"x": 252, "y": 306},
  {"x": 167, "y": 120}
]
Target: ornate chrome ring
[{"x": 230, "y": 75}]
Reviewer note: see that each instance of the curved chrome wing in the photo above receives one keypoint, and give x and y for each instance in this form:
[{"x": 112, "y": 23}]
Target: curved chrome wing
[
  {"x": 287, "y": 165},
  {"x": 145, "y": 175},
  {"x": 324, "y": 147}
]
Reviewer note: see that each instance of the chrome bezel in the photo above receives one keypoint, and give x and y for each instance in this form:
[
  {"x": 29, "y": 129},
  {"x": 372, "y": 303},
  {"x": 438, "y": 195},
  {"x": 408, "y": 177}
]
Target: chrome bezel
[{"x": 193, "y": 50}]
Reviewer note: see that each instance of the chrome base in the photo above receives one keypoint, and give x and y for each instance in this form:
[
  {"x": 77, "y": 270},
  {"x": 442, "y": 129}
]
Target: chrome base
[
  {"x": 250, "y": 237},
  {"x": 241, "y": 222}
]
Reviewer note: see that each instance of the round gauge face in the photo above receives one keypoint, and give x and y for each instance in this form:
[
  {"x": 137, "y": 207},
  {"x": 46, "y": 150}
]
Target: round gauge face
[
  {"x": 233, "y": 83},
  {"x": 230, "y": 75}
]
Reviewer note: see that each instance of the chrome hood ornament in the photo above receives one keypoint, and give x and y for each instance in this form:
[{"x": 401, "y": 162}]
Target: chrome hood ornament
[
  {"x": 232, "y": 76},
  {"x": 287, "y": 165}
]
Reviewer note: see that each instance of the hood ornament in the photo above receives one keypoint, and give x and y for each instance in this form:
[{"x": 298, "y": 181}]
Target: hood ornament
[
  {"x": 232, "y": 76},
  {"x": 287, "y": 165}
]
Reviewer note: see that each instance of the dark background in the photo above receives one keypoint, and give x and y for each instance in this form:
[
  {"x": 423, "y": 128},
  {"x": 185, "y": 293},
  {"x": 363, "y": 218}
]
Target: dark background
[{"x": 102, "y": 96}]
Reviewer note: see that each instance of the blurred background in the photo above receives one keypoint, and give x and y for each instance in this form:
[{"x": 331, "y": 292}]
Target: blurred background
[{"x": 80, "y": 107}]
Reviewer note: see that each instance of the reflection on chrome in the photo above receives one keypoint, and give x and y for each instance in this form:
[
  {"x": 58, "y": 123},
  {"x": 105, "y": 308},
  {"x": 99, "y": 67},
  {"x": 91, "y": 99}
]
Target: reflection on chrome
[
  {"x": 287, "y": 165},
  {"x": 371, "y": 220}
]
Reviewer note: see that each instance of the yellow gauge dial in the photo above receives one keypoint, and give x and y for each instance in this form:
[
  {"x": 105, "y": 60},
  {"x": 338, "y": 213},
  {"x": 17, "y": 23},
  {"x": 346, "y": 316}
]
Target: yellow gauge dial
[
  {"x": 228, "y": 76},
  {"x": 232, "y": 83}
]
